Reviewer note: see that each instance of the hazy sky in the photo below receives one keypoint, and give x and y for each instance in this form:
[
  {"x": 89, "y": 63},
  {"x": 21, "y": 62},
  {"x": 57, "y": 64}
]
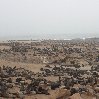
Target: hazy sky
[{"x": 49, "y": 18}]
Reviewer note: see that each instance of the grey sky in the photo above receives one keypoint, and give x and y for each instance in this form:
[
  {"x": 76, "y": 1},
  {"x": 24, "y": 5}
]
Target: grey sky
[{"x": 49, "y": 18}]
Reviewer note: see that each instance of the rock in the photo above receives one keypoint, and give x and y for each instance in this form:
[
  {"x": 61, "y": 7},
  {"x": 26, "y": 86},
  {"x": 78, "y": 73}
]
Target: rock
[
  {"x": 21, "y": 95},
  {"x": 76, "y": 96},
  {"x": 97, "y": 96},
  {"x": 61, "y": 94},
  {"x": 33, "y": 92}
]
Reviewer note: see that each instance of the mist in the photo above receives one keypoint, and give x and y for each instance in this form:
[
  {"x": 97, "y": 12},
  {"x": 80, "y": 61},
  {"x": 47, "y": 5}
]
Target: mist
[{"x": 49, "y": 19}]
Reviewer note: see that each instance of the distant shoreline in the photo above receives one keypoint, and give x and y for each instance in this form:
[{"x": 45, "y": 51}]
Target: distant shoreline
[{"x": 39, "y": 40}]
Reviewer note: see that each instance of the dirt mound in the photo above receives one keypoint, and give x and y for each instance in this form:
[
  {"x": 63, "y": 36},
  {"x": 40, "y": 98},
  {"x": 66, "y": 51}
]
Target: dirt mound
[
  {"x": 60, "y": 94},
  {"x": 76, "y": 96}
]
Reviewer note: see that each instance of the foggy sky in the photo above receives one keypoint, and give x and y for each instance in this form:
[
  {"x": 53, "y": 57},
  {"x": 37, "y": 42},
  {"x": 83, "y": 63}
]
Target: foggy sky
[{"x": 49, "y": 19}]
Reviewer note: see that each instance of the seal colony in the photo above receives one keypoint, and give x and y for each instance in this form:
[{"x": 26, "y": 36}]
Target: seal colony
[{"x": 64, "y": 69}]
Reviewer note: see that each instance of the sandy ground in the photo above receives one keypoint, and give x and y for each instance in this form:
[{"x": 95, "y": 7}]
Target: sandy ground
[
  {"x": 2, "y": 47},
  {"x": 32, "y": 67},
  {"x": 36, "y": 68}
]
